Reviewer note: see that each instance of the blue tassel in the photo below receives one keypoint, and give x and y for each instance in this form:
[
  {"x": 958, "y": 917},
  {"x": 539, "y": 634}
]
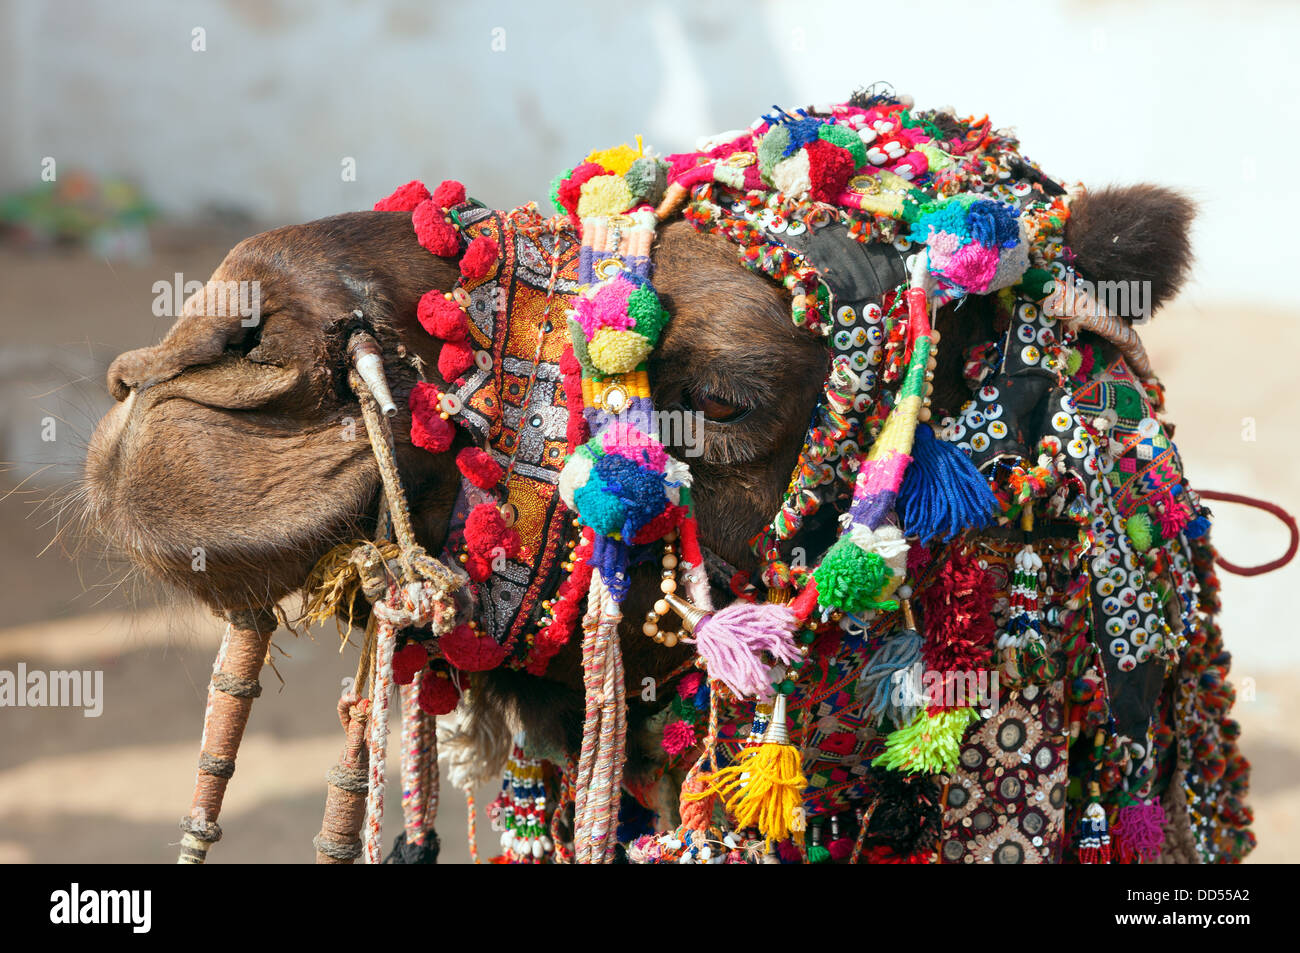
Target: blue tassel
[
  {"x": 880, "y": 690},
  {"x": 942, "y": 492}
]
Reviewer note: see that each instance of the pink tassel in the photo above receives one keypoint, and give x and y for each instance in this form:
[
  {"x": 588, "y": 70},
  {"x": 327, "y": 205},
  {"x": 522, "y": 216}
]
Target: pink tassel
[
  {"x": 730, "y": 641},
  {"x": 1140, "y": 833}
]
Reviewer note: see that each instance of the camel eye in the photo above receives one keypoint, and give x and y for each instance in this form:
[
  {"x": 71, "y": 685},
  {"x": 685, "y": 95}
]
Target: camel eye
[{"x": 716, "y": 408}]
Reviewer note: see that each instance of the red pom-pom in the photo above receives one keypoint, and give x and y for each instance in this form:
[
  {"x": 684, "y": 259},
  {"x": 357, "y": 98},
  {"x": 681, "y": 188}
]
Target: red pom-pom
[
  {"x": 455, "y": 358},
  {"x": 442, "y": 317},
  {"x": 486, "y": 530},
  {"x": 479, "y": 258},
  {"x": 404, "y": 199},
  {"x": 433, "y": 231},
  {"x": 478, "y": 567},
  {"x": 438, "y": 694},
  {"x": 449, "y": 194},
  {"x": 829, "y": 170},
  {"x": 569, "y": 362},
  {"x": 470, "y": 650},
  {"x": 788, "y": 852},
  {"x": 840, "y": 849},
  {"x": 479, "y": 468},
  {"x": 428, "y": 429},
  {"x": 407, "y": 663},
  {"x": 570, "y": 189}
]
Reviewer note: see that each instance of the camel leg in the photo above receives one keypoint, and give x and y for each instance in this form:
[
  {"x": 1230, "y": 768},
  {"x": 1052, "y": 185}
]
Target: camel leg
[
  {"x": 339, "y": 840},
  {"x": 230, "y": 699}
]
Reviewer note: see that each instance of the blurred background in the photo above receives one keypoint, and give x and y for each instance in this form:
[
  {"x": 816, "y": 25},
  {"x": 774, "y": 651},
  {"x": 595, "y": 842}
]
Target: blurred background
[{"x": 139, "y": 142}]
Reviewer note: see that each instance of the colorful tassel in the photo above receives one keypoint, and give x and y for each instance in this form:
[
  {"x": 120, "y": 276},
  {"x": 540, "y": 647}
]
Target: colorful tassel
[
  {"x": 763, "y": 788},
  {"x": 942, "y": 493},
  {"x": 883, "y": 683},
  {"x": 1140, "y": 832},
  {"x": 731, "y": 642},
  {"x": 929, "y": 744},
  {"x": 1094, "y": 832}
]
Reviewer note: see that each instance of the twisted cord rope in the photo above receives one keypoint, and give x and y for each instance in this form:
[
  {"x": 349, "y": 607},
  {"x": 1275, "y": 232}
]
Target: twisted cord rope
[
  {"x": 415, "y": 761},
  {"x": 383, "y": 685},
  {"x": 604, "y": 733}
]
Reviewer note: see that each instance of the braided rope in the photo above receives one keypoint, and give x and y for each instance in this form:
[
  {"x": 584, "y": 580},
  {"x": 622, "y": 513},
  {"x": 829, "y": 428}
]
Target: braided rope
[
  {"x": 415, "y": 761},
  {"x": 372, "y": 833},
  {"x": 604, "y": 732}
]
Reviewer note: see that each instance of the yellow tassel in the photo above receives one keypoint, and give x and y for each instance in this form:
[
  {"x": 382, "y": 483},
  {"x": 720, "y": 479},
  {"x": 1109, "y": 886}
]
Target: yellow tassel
[{"x": 764, "y": 787}]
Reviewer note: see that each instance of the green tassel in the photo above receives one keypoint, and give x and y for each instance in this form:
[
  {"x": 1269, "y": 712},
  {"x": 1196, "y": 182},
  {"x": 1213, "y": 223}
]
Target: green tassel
[{"x": 928, "y": 744}]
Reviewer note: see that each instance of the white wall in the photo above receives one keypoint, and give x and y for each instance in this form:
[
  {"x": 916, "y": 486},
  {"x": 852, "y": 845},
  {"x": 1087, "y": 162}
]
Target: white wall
[{"x": 1198, "y": 95}]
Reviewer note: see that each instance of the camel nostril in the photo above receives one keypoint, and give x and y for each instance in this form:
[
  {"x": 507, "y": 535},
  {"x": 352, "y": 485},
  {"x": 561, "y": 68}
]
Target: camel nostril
[{"x": 120, "y": 382}]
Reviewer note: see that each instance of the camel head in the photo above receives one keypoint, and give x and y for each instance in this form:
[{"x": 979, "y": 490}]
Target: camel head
[{"x": 819, "y": 301}]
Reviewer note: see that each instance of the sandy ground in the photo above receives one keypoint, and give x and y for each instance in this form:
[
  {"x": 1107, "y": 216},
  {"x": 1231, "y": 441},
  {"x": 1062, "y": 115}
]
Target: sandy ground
[{"x": 112, "y": 788}]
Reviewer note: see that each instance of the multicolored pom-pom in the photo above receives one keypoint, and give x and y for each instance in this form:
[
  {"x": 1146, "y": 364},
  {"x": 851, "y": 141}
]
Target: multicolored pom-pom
[{"x": 975, "y": 244}]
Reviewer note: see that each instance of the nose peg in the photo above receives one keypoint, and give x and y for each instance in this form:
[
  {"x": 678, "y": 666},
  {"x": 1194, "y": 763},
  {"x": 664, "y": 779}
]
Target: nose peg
[{"x": 365, "y": 355}]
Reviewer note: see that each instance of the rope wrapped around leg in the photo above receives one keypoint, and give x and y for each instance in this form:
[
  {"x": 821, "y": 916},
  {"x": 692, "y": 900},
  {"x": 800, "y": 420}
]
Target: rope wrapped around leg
[
  {"x": 231, "y": 692},
  {"x": 339, "y": 840}
]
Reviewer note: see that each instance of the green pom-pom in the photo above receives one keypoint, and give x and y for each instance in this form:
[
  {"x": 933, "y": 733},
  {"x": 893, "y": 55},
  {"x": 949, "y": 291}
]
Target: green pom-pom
[
  {"x": 849, "y": 578},
  {"x": 817, "y": 854},
  {"x": 1036, "y": 284},
  {"x": 579, "y": 339},
  {"x": 771, "y": 149},
  {"x": 845, "y": 138},
  {"x": 928, "y": 744},
  {"x": 646, "y": 180},
  {"x": 1140, "y": 532},
  {"x": 1073, "y": 362},
  {"x": 644, "y": 308},
  {"x": 555, "y": 191}
]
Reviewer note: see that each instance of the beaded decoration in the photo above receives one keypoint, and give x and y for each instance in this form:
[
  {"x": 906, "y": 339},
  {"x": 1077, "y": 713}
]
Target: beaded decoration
[{"x": 871, "y": 215}]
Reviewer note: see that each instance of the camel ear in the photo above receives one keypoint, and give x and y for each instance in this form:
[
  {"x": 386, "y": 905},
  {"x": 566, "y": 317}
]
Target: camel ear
[{"x": 1133, "y": 233}]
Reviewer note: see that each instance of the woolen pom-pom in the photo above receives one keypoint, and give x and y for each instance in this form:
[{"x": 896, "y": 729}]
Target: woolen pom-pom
[
  {"x": 678, "y": 737},
  {"x": 404, "y": 199},
  {"x": 471, "y": 650},
  {"x": 479, "y": 258},
  {"x": 486, "y": 532},
  {"x": 455, "y": 358},
  {"x": 478, "y": 567},
  {"x": 438, "y": 694},
  {"x": 442, "y": 317},
  {"x": 479, "y": 468},
  {"x": 407, "y": 663},
  {"x": 428, "y": 429},
  {"x": 448, "y": 194},
  {"x": 433, "y": 231}
]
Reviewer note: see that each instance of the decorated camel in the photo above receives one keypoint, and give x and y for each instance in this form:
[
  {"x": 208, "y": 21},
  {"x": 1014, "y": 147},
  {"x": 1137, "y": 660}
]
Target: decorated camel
[{"x": 799, "y": 498}]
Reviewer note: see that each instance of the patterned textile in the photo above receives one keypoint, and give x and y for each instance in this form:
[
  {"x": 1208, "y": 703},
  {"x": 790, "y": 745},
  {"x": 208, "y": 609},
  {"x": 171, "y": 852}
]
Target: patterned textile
[
  {"x": 523, "y": 425},
  {"x": 1006, "y": 798}
]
